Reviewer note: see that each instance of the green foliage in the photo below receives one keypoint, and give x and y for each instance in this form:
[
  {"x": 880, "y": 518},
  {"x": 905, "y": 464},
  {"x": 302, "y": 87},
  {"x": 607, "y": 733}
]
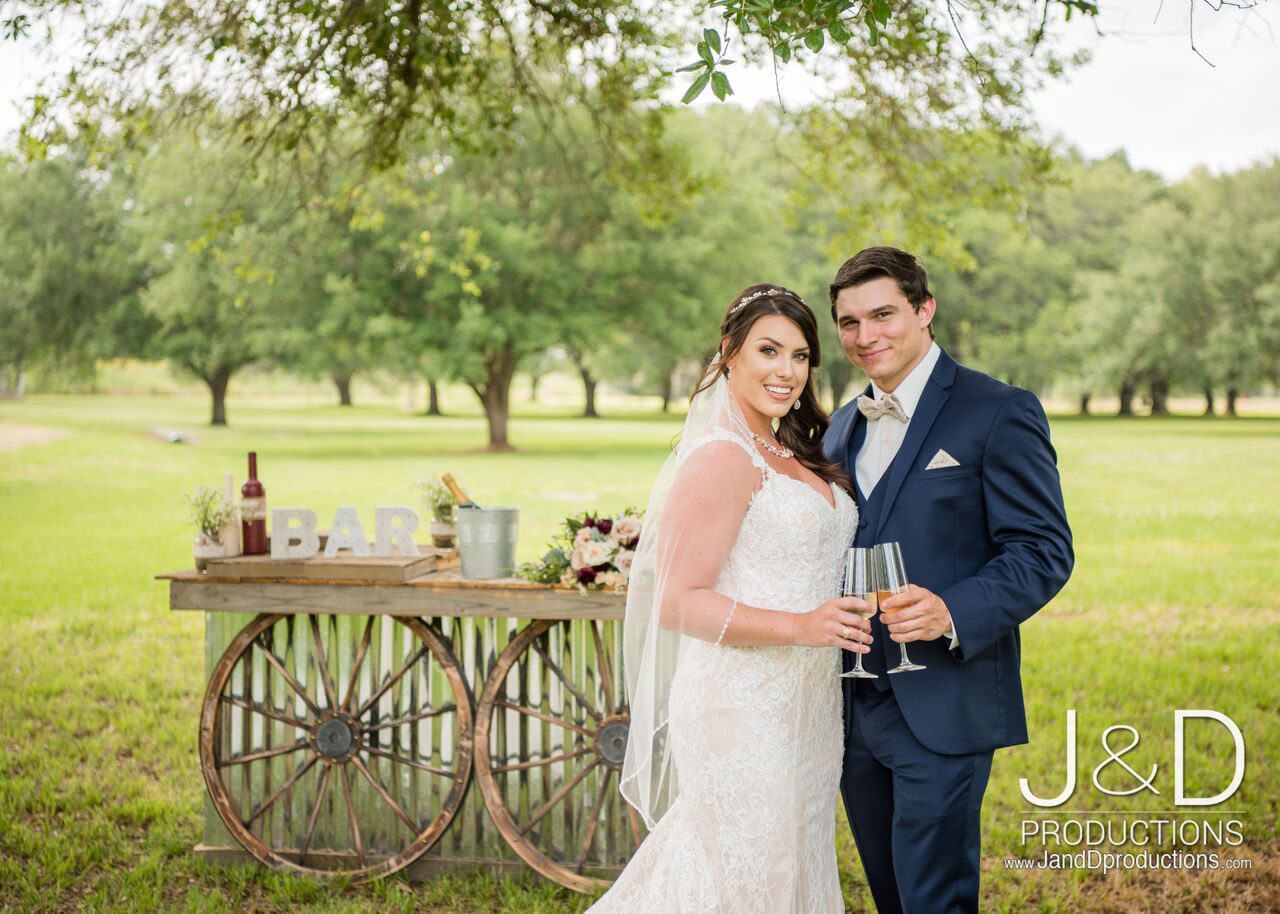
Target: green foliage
[
  {"x": 438, "y": 499},
  {"x": 208, "y": 510},
  {"x": 68, "y": 276}
]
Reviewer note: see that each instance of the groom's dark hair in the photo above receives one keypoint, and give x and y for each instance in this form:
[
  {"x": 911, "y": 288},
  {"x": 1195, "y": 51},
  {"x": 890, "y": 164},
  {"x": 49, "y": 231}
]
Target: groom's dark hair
[{"x": 872, "y": 263}]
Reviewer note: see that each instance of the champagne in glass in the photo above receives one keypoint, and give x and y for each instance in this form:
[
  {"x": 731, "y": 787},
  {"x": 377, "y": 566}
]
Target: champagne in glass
[
  {"x": 891, "y": 578},
  {"x": 860, "y": 582}
]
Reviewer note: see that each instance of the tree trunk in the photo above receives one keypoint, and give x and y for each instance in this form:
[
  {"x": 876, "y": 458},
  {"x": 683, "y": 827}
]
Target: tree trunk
[
  {"x": 13, "y": 381},
  {"x": 840, "y": 372},
  {"x": 1126, "y": 399},
  {"x": 1160, "y": 397},
  {"x": 534, "y": 378},
  {"x": 1208, "y": 401},
  {"x": 343, "y": 383},
  {"x": 1084, "y": 404},
  {"x": 668, "y": 386},
  {"x": 495, "y": 396},
  {"x": 588, "y": 382},
  {"x": 1232, "y": 395},
  {"x": 218, "y": 382},
  {"x": 433, "y": 398}
]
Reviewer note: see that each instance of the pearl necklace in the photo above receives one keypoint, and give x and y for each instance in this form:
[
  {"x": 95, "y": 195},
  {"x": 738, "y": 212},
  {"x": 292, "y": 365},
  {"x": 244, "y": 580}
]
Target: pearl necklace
[{"x": 777, "y": 450}]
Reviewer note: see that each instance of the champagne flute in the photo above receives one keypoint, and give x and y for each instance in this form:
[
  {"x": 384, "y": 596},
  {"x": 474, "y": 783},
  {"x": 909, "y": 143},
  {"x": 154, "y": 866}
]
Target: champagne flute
[
  {"x": 891, "y": 578},
  {"x": 860, "y": 582}
]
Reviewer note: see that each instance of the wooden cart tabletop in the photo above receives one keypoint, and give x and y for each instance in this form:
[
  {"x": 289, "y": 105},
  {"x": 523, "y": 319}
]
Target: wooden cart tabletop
[{"x": 440, "y": 593}]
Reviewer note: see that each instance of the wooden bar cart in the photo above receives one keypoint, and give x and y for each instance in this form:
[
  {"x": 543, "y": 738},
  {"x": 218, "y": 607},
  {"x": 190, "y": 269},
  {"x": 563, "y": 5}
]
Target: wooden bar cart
[{"x": 344, "y": 720}]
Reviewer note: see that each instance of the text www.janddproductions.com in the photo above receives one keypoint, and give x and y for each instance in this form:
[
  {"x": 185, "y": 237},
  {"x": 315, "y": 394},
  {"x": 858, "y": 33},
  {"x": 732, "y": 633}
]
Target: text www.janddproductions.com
[
  {"x": 1090, "y": 844},
  {"x": 1104, "y": 861}
]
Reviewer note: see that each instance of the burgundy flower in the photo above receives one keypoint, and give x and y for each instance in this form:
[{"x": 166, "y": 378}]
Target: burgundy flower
[
  {"x": 588, "y": 521},
  {"x": 604, "y": 525},
  {"x": 633, "y": 542},
  {"x": 586, "y": 575}
]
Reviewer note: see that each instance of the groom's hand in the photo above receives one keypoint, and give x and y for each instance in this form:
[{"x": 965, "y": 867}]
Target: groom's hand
[{"x": 916, "y": 614}]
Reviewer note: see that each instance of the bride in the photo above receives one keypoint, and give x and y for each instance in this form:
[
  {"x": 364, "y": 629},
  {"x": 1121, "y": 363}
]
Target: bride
[{"x": 732, "y": 633}]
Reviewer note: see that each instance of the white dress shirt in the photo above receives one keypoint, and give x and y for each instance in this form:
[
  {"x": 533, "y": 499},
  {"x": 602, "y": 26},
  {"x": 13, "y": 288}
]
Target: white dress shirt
[{"x": 885, "y": 435}]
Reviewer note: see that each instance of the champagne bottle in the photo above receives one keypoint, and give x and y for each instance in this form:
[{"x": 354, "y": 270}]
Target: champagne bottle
[
  {"x": 253, "y": 511},
  {"x": 461, "y": 497}
]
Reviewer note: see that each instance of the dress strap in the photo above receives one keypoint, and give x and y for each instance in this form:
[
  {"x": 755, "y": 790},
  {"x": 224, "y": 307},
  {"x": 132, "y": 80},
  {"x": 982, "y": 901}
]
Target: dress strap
[{"x": 724, "y": 434}]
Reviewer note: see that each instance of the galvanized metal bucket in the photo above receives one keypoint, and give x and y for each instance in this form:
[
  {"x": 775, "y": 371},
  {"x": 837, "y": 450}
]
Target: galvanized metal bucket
[{"x": 487, "y": 542}]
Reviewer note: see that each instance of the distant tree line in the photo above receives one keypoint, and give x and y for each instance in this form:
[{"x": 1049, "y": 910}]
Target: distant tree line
[{"x": 1090, "y": 277}]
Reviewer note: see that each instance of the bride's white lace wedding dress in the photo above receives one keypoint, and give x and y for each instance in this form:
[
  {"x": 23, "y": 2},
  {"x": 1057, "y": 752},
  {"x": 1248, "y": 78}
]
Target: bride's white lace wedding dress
[{"x": 756, "y": 732}]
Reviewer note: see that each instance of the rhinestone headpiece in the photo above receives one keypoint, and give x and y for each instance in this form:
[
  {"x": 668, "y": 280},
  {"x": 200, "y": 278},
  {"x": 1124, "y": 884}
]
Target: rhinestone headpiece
[{"x": 763, "y": 293}]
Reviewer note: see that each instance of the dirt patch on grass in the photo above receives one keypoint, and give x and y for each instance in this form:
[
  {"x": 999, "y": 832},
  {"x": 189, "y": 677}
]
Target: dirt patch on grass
[{"x": 15, "y": 437}]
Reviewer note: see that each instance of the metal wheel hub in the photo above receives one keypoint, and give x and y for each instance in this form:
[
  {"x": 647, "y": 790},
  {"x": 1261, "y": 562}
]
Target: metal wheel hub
[
  {"x": 611, "y": 740},
  {"x": 337, "y": 738}
]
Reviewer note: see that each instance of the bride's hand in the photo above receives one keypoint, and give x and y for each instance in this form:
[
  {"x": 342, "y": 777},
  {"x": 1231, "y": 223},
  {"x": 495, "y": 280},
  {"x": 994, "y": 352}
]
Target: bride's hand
[{"x": 834, "y": 624}]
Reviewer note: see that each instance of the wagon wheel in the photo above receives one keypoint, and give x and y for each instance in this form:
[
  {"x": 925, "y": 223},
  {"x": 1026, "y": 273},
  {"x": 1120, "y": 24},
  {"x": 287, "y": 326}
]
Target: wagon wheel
[
  {"x": 336, "y": 745},
  {"x": 551, "y": 733}
]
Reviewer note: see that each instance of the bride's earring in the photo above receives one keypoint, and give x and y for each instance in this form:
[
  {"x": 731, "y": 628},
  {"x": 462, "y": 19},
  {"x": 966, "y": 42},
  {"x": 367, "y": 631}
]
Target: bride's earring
[{"x": 797, "y": 405}]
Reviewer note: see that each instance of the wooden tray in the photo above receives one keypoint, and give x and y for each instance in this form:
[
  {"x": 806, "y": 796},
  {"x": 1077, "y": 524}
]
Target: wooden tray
[{"x": 342, "y": 567}]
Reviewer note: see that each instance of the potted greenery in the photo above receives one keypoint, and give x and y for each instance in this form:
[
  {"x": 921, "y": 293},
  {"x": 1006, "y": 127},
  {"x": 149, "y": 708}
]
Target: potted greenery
[
  {"x": 210, "y": 512},
  {"x": 437, "y": 499}
]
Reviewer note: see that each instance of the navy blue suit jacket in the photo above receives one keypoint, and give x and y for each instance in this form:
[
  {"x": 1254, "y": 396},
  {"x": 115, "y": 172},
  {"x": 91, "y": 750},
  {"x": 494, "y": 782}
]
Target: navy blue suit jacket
[{"x": 990, "y": 537}]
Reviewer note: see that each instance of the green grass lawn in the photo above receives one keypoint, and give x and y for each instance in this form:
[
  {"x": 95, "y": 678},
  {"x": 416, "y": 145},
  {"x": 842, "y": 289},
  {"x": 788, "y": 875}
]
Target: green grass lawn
[{"x": 1173, "y": 605}]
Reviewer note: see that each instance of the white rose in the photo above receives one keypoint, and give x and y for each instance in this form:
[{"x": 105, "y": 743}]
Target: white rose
[
  {"x": 625, "y": 528},
  {"x": 595, "y": 552},
  {"x": 610, "y": 579},
  {"x": 577, "y": 561},
  {"x": 623, "y": 561},
  {"x": 584, "y": 536}
]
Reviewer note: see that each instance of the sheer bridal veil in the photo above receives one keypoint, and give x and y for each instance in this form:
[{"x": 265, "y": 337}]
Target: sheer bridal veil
[{"x": 651, "y": 653}]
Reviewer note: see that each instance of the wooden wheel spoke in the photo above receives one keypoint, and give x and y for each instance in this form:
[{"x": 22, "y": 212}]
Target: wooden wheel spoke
[
  {"x": 322, "y": 663},
  {"x": 278, "y": 665},
  {"x": 315, "y": 811},
  {"x": 265, "y": 753},
  {"x": 351, "y": 815},
  {"x": 602, "y": 666},
  {"x": 543, "y": 715},
  {"x": 400, "y": 759},
  {"x": 265, "y": 712},
  {"x": 633, "y": 818},
  {"x": 573, "y": 690},
  {"x": 557, "y": 797},
  {"x": 410, "y": 718},
  {"x": 355, "y": 668},
  {"x": 287, "y": 785},
  {"x": 594, "y": 822},
  {"x": 540, "y": 763},
  {"x": 382, "y": 792},
  {"x": 386, "y": 687}
]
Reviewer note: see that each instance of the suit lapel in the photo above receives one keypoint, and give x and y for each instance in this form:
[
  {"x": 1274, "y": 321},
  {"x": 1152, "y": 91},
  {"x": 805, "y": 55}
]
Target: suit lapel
[
  {"x": 855, "y": 444},
  {"x": 936, "y": 393}
]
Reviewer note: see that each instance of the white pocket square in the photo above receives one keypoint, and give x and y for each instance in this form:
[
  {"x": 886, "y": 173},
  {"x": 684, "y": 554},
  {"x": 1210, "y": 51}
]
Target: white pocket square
[{"x": 942, "y": 459}]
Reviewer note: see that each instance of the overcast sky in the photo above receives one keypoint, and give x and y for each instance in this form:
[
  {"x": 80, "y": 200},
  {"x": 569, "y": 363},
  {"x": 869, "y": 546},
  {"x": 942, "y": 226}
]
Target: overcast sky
[{"x": 1145, "y": 90}]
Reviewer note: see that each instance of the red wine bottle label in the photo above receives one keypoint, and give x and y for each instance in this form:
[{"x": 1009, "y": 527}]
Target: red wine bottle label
[{"x": 252, "y": 509}]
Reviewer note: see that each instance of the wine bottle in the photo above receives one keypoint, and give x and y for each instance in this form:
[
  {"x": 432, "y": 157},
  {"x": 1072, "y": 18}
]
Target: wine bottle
[
  {"x": 253, "y": 511},
  {"x": 461, "y": 497}
]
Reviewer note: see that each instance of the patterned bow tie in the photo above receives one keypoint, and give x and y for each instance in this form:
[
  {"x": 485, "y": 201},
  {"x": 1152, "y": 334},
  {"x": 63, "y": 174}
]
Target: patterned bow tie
[{"x": 887, "y": 405}]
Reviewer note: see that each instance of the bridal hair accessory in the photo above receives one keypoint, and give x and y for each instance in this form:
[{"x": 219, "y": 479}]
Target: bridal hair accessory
[
  {"x": 724, "y": 628},
  {"x": 763, "y": 293}
]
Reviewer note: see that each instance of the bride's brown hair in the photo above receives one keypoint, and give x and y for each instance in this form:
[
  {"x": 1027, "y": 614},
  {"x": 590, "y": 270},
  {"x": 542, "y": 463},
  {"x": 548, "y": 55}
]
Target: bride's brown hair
[{"x": 800, "y": 429}]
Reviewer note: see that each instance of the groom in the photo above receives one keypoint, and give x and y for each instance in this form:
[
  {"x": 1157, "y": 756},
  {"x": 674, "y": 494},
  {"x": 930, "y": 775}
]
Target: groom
[{"x": 957, "y": 468}]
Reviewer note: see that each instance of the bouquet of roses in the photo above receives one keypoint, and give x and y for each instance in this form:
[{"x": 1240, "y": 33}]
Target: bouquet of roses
[{"x": 590, "y": 553}]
